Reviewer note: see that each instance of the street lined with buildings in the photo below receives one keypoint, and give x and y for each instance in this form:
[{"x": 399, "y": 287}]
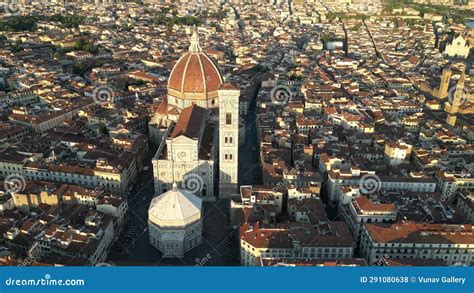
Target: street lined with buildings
[{"x": 265, "y": 133}]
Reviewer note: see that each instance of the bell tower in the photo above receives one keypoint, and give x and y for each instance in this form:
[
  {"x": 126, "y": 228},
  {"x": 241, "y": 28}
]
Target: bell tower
[
  {"x": 228, "y": 139},
  {"x": 444, "y": 84},
  {"x": 458, "y": 96}
]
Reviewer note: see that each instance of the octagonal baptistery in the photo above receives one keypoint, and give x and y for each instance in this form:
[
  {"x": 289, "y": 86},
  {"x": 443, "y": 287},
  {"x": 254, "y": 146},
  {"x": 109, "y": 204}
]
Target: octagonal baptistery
[
  {"x": 175, "y": 222},
  {"x": 194, "y": 79}
]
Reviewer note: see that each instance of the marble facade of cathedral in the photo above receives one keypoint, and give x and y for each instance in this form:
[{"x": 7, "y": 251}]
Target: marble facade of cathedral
[{"x": 197, "y": 129}]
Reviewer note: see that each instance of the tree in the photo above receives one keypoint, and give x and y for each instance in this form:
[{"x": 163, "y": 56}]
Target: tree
[
  {"x": 57, "y": 55},
  {"x": 260, "y": 68},
  {"x": 103, "y": 130}
]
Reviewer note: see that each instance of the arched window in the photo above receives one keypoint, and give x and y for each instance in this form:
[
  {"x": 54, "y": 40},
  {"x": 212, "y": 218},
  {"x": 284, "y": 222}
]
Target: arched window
[
  {"x": 228, "y": 118},
  {"x": 228, "y": 139}
]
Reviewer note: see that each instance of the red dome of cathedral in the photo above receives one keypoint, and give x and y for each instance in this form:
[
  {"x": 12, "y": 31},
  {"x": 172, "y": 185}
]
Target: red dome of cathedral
[
  {"x": 195, "y": 73},
  {"x": 194, "y": 79}
]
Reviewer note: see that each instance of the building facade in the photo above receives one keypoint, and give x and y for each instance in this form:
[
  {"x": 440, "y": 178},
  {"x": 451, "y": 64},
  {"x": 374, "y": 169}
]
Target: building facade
[
  {"x": 297, "y": 241},
  {"x": 458, "y": 48},
  {"x": 450, "y": 243},
  {"x": 228, "y": 139},
  {"x": 175, "y": 222},
  {"x": 201, "y": 117}
]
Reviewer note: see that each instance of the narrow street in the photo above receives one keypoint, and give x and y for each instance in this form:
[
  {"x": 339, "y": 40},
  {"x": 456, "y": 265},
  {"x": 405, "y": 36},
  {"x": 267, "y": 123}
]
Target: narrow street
[{"x": 249, "y": 166}]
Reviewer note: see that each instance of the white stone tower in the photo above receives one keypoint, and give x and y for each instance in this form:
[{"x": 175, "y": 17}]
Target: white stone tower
[{"x": 228, "y": 139}]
